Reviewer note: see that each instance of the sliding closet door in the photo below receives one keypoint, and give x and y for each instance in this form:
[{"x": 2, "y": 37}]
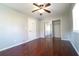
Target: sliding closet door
[{"x": 56, "y": 29}]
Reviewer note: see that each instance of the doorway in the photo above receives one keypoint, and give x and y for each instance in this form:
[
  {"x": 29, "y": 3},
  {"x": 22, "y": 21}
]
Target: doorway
[
  {"x": 56, "y": 29},
  {"x": 47, "y": 30}
]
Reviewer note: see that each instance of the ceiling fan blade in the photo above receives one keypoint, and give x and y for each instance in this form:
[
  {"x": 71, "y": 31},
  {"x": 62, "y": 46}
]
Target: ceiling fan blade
[
  {"x": 35, "y": 10},
  {"x": 47, "y": 10},
  {"x": 48, "y": 4},
  {"x": 36, "y": 4}
]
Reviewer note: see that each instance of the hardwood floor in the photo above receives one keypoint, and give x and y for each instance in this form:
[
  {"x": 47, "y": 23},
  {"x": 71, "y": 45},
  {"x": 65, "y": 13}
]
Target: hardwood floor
[{"x": 42, "y": 47}]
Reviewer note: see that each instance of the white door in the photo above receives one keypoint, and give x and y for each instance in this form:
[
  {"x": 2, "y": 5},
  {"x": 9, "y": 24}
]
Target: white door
[
  {"x": 56, "y": 29},
  {"x": 31, "y": 29},
  {"x": 47, "y": 29}
]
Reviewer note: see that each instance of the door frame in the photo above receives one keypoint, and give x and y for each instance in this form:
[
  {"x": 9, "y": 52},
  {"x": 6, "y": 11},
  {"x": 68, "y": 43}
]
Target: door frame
[{"x": 53, "y": 32}]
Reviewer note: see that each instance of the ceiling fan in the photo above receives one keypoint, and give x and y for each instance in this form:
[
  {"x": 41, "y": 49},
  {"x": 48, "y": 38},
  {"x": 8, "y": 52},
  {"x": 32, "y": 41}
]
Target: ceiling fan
[{"x": 42, "y": 7}]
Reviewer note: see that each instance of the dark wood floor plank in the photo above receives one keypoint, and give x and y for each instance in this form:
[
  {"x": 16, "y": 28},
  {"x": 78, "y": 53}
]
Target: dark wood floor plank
[{"x": 42, "y": 47}]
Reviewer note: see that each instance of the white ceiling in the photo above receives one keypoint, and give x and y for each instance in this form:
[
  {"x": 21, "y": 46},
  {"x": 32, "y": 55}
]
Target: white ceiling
[{"x": 26, "y": 8}]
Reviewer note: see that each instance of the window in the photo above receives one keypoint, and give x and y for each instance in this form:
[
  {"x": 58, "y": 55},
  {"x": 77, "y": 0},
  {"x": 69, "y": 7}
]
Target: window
[{"x": 76, "y": 18}]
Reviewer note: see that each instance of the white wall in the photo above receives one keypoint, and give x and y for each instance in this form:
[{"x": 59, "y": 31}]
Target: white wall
[
  {"x": 13, "y": 28},
  {"x": 66, "y": 24},
  {"x": 74, "y": 35}
]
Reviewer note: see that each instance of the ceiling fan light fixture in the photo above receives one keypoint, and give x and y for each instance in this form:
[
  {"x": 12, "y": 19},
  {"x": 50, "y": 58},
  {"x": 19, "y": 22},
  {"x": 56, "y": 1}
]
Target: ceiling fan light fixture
[{"x": 41, "y": 10}]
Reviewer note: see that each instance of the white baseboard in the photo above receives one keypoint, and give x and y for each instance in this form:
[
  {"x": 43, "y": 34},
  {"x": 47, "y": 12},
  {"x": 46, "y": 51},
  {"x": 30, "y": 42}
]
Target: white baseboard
[
  {"x": 75, "y": 48},
  {"x": 11, "y": 46},
  {"x": 15, "y": 45}
]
